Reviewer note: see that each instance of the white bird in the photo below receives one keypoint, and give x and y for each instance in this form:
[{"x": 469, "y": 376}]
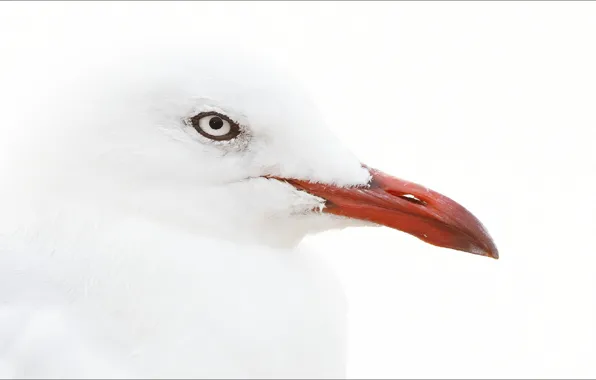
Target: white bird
[{"x": 151, "y": 210}]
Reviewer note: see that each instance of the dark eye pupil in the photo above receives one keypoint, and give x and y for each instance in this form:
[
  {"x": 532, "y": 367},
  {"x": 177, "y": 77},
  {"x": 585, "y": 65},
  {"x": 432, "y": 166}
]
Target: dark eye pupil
[{"x": 216, "y": 122}]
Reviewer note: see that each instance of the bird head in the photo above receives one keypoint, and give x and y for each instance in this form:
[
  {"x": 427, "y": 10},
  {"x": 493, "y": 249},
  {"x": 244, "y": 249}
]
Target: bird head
[{"x": 225, "y": 145}]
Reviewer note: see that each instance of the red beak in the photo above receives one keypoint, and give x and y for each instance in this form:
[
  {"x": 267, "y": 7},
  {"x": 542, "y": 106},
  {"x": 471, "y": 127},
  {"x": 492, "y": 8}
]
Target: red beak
[{"x": 408, "y": 207}]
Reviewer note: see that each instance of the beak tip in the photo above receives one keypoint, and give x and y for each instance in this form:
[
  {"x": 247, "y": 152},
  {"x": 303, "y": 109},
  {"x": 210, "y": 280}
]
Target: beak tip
[
  {"x": 493, "y": 254},
  {"x": 488, "y": 250},
  {"x": 492, "y": 250}
]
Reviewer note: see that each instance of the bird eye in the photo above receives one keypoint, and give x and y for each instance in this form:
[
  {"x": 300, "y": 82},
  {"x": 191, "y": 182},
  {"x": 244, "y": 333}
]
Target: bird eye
[{"x": 215, "y": 126}]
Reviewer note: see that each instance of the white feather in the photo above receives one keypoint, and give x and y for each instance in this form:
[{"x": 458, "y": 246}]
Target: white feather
[{"x": 132, "y": 246}]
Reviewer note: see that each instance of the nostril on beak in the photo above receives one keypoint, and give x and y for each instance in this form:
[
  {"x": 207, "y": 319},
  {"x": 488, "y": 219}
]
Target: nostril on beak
[{"x": 408, "y": 197}]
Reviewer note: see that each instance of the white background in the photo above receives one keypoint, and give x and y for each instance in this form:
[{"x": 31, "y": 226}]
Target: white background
[{"x": 490, "y": 103}]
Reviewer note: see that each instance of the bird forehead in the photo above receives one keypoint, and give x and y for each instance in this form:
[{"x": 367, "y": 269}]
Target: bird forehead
[
  {"x": 253, "y": 90},
  {"x": 248, "y": 89}
]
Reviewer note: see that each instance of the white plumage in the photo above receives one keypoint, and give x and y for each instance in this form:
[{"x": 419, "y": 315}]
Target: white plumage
[{"x": 132, "y": 245}]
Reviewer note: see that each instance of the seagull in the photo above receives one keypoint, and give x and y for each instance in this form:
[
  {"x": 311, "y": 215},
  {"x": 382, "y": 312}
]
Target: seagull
[{"x": 152, "y": 209}]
